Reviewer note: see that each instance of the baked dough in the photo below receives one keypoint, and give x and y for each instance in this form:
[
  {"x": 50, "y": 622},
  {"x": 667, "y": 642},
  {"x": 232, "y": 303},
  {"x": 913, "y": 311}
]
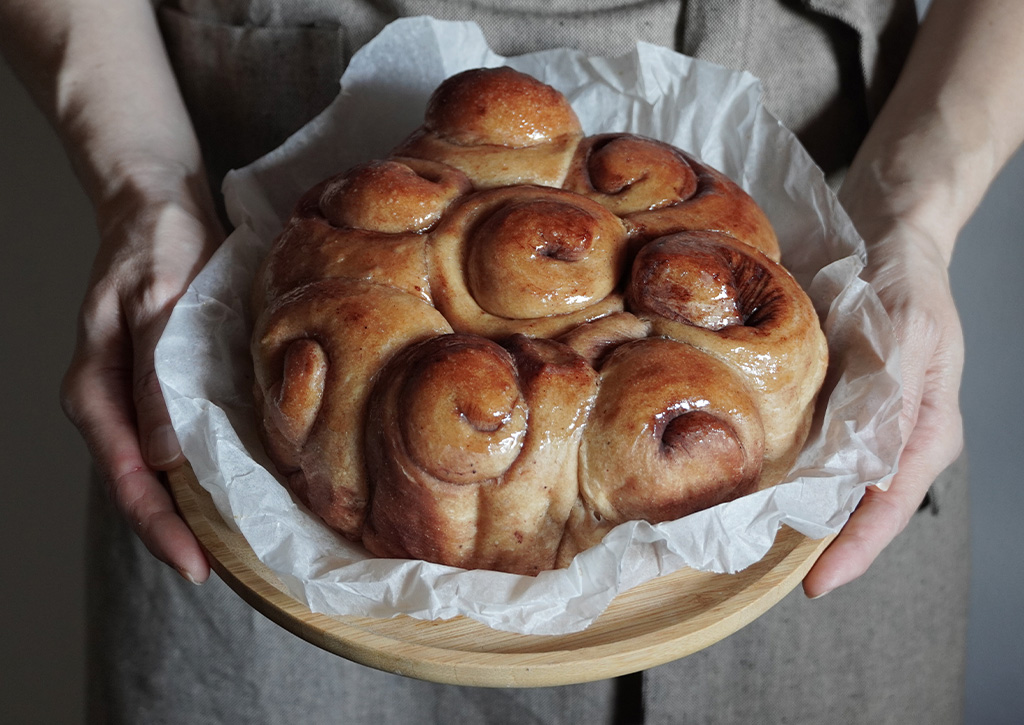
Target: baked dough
[{"x": 495, "y": 345}]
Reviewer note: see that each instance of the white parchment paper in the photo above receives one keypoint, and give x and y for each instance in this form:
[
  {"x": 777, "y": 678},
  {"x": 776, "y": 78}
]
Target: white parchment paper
[{"x": 204, "y": 365}]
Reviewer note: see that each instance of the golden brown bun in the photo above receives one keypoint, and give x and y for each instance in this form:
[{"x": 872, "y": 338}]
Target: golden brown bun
[
  {"x": 367, "y": 223},
  {"x": 526, "y": 259},
  {"x": 473, "y": 451},
  {"x": 732, "y": 302},
  {"x": 658, "y": 189},
  {"x": 480, "y": 354},
  {"x": 673, "y": 431},
  {"x": 342, "y": 331},
  {"x": 391, "y": 196},
  {"x": 498, "y": 126}
]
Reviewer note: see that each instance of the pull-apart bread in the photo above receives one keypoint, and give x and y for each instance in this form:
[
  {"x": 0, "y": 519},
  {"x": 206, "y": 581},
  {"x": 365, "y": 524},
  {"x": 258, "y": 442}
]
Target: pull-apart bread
[{"x": 494, "y": 346}]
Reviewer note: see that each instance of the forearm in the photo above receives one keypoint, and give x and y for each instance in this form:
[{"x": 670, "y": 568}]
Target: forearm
[
  {"x": 954, "y": 118},
  {"x": 98, "y": 70}
]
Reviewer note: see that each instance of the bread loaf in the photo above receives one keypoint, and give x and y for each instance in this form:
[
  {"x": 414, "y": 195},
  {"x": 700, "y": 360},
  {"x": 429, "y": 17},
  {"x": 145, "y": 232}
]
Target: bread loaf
[{"x": 494, "y": 346}]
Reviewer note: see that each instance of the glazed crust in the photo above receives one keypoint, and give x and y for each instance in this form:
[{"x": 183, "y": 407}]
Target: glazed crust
[
  {"x": 658, "y": 190},
  {"x": 673, "y": 431},
  {"x": 499, "y": 127},
  {"x": 732, "y": 302},
  {"x": 526, "y": 259},
  {"x": 473, "y": 451},
  {"x": 357, "y": 326},
  {"x": 491, "y": 348}
]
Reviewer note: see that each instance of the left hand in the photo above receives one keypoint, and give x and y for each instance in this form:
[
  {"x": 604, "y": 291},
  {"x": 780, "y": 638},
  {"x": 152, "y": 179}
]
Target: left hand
[{"x": 156, "y": 232}]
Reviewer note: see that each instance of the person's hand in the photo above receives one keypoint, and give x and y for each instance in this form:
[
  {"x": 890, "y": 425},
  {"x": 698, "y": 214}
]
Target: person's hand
[
  {"x": 910, "y": 276},
  {"x": 156, "y": 231}
]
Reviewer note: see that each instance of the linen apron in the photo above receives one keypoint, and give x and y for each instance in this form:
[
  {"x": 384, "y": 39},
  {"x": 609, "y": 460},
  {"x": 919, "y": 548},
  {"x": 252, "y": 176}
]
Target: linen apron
[{"x": 888, "y": 648}]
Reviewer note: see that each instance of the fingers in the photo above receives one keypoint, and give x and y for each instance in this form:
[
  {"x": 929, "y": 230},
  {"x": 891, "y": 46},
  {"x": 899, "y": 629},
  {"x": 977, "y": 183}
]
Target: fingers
[
  {"x": 911, "y": 282},
  {"x": 935, "y": 442},
  {"x": 149, "y": 509},
  {"x": 96, "y": 396},
  {"x": 180, "y": 244},
  {"x": 157, "y": 229},
  {"x": 880, "y": 516},
  {"x": 101, "y": 395}
]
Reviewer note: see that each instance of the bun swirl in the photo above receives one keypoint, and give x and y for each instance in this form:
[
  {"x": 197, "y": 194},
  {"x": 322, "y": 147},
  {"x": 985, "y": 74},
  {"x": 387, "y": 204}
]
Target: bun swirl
[
  {"x": 673, "y": 431},
  {"x": 526, "y": 259},
  {"x": 341, "y": 331},
  {"x": 659, "y": 190},
  {"x": 730, "y": 301},
  {"x": 499, "y": 127},
  {"x": 472, "y": 451}
]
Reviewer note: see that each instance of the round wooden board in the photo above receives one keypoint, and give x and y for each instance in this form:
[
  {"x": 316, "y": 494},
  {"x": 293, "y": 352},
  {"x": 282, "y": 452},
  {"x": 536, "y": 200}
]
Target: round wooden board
[{"x": 654, "y": 623}]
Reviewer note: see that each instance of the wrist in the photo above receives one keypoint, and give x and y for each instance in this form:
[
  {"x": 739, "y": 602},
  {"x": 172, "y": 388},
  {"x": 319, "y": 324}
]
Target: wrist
[
  {"x": 903, "y": 247},
  {"x": 156, "y": 167},
  {"x": 141, "y": 192},
  {"x": 143, "y": 180},
  {"x": 928, "y": 182}
]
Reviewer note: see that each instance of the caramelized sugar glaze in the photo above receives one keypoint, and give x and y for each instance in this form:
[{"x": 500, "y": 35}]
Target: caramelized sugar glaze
[{"x": 494, "y": 346}]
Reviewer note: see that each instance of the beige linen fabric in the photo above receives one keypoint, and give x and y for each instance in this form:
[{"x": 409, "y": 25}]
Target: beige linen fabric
[
  {"x": 886, "y": 649},
  {"x": 254, "y": 71}
]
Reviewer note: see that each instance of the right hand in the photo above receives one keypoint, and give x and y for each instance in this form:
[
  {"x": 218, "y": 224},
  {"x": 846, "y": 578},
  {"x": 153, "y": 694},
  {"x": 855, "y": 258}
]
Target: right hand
[
  {"x": 909, "y": 272},
  {"x": 157, "y": 229}
]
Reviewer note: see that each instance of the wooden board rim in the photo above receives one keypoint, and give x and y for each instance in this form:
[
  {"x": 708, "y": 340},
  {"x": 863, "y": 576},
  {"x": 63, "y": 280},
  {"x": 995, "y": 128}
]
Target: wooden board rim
[{"x": 697, "y": 609}]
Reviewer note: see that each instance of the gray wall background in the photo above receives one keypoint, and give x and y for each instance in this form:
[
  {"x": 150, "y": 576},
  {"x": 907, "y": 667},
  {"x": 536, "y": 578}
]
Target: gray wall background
[{"x": 49, "y": 239}]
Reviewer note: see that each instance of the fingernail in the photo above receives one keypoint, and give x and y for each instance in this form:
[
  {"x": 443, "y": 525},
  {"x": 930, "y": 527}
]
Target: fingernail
[
  {"x": 819, "y": 596},
  {"x": 163, "y": 446},
  {"x": 186, "y": 575}
]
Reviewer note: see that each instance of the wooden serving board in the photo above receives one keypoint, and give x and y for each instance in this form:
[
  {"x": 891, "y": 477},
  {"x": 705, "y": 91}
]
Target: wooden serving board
[{"x": 654, "y": 623}]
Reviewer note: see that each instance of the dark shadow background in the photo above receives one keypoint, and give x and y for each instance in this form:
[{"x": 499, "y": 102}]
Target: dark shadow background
[{"x": 49, "y": 239}]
